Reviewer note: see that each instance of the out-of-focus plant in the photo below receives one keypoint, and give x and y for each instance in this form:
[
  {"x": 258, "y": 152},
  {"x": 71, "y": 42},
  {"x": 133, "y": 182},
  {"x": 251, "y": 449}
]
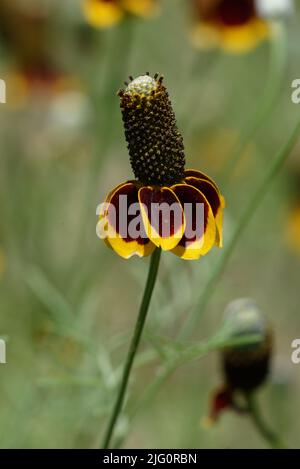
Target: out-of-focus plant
[
  {"x": 236, "y": 26},
  {"x": 293, "y": 228},
  {"x": 245, "y": 367},
  {"x": 33, "y": 73},
  {"x": 239, "y": 26},
  {"x": 107, "y": 13}
]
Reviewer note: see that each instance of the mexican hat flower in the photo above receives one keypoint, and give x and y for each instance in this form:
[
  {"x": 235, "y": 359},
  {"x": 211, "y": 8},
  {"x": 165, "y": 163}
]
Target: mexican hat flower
[
  {"x": 107, "y": 13},
  {"x": 234, "y": 25},
  {"x": 166, "y": 205},
  {"x": 245, "y": 367}
]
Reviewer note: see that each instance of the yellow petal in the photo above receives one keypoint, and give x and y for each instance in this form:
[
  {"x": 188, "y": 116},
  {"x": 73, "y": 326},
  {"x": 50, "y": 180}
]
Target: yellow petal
[
  {"x": 127, "y": 249},
  {"x": 163, "y": 226},
  {"x": 200, "y": 175},
  {"x": 233, "y": 39},
  {"x": 214, "y": 198},
  {"x": 239, "y": 39},
  {"x": 102, "y": 14},
  {"x": 124, "y": 245},
  {"x": 194, "y": 249},
  {"x": 144, "y": 8}
]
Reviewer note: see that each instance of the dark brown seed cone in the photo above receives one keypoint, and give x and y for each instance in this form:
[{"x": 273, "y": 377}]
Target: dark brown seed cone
[
  {"x": 155, "y": 145},
  {"x": 246, "y": 368}
]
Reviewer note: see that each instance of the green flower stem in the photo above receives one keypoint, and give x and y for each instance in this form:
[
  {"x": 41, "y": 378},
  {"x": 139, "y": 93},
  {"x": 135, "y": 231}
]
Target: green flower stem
[
  {"x": 268, "y": 434},
  {"x": 254, "y": 202},
  {"x": 153, "y": 269},
  {"x": 189, "y": 354},
  {"x": 268, "y": 100}
]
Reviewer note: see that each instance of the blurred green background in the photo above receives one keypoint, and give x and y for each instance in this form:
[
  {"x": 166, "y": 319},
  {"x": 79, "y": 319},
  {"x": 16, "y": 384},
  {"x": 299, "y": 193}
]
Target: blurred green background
[{"x": 67, "y": 303}]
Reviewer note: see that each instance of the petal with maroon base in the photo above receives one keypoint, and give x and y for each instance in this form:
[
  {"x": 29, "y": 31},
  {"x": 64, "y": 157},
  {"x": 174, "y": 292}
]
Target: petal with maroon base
[
  {"x": 198, "y": 174},
  {"x": 200, "y": 233},
  {"x": 208, "y": 189},
  {"x": 126, "y": 234},
  {"x": 163, "y": 216}
]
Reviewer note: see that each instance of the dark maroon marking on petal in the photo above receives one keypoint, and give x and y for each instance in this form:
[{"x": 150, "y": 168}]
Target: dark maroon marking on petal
[
  {"x": 235, "y": 12},
  {"x": 188, "y": 194},
  {"x": 143, "y": 240},
  {"x": 129, "y": 190},
  {"x": 208, "y": 191},
  {"x": 149, "y": 196},
  {"x": 197, "y": 174}
]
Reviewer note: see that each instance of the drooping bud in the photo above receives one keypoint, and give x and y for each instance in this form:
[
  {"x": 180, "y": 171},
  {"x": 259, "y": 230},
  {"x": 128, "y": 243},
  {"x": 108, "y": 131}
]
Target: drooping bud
[
  {"x": 246, "y": 367},
  {"x": 155, "y": 145}
]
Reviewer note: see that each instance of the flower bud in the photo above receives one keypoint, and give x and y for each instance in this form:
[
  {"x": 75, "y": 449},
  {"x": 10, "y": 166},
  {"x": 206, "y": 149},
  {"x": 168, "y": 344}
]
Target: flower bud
[{"x": 246, "y": 367}]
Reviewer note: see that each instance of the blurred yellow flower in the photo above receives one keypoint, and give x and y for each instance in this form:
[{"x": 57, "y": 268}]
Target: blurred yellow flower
[
  {"x": 293, "y": 229},
  {"x": 144, "y": 8},
  {"x": 32, "y": 72},
  {"x": 102, "y": 13},
  {"x": 233, "y": 25},
  {"x": 107, "y": 13}
]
